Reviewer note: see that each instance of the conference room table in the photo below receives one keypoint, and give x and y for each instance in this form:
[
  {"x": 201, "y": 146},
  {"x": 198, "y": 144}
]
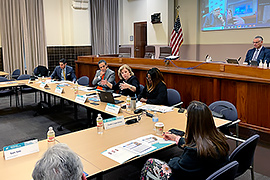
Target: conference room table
[
  {"x": 87, "y": 143},
  {"x": 2, "y": 73}
]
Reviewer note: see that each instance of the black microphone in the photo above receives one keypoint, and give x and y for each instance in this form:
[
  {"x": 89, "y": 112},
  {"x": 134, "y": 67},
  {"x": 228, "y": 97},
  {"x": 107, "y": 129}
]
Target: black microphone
[{"x": 239, "y": 58}]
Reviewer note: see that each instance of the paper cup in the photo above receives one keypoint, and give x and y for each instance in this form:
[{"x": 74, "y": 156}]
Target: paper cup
[{"x": 159, "y": 128}]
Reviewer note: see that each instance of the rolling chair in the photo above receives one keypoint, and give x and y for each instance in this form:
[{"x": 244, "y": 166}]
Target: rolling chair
[
  {"x": 174, "y": 97},
  {"x": 26, "y": 89},
  {"x": 125, "y": 52},
  {"x": 226, "y": 110},
  {"x": 244, "y": 155},
  {"x": 149, "y": 52},
  {"x": 165, "y": 52},
  {"x": 15, "y": 74},
  {"x": 84, "y": 81},
  {"x": 41, "y": 71},
  {"x": 227, "y": 172},
  {"x": 6, "y": 91}
]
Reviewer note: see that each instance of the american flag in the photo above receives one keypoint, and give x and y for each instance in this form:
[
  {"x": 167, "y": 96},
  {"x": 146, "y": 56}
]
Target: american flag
[{"x": 176, "y": 37}]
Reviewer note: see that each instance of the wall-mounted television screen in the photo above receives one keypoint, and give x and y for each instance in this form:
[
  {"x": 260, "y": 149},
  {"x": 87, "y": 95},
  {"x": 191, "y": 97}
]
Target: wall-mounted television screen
[{"x": 234, "y": 14}]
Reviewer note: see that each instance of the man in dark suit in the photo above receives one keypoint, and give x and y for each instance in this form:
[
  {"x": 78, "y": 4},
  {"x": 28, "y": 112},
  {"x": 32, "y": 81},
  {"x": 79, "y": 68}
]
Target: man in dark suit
[
  {"x": 259, "y": 53},
  {"x": 63, "y": 72},
  {"x": 104, "y": 73}
]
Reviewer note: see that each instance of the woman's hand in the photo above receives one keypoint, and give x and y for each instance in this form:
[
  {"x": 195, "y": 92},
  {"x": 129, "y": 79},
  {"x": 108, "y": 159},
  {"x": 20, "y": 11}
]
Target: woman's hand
[
  {"x": 143, "y": 100},
  {"x": 168, "y": 136}
]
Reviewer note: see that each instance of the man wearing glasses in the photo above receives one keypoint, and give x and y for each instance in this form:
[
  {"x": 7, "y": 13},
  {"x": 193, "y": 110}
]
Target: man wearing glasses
[
  {"x": 259, "y": 53},
  {"x": 104, "y": 73}
]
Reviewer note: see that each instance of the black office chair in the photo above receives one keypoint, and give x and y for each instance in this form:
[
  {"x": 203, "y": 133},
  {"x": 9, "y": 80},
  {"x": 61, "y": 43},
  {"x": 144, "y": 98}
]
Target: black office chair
[
  {"x": 174, "y": 97},
  {"x": 226, "y": 110},
  {"x": 16, "y": 73},
  {"x": 244, "y": 155},
  {"x": 6, "y": 91},
  {"x": 149, "y": 52},
  {"x": 84, "y": 81},
  {"x": 26, "y": 89},
  {"x": 165, "y": 52},
  {"x": 41, "y": 71},
  {"x": 141, "y": 88},
  {"x": 227, "y": 172}
]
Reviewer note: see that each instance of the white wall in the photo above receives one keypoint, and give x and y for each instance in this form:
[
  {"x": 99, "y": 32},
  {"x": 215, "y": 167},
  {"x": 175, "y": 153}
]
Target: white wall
[{"x": 65, "y": 25}]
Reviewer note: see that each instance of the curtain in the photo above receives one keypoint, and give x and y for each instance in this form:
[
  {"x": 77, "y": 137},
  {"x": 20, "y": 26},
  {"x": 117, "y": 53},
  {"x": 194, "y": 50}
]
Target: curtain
[
  {"x": 104, "y": 17},
  {"x": 22, "y": 34}
]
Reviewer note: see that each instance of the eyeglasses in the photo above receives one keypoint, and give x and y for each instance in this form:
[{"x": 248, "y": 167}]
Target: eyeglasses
[
  {"x": 256, "y": 42},
  {"x": 100, "y": 67}
]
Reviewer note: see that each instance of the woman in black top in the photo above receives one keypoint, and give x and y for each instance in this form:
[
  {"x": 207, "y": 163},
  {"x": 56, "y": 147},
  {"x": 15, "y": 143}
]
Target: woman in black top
[
  {"x": 128, "y": 84},
  {"x": 155, "y": 91},
  {"x": 205, "y": 148}
]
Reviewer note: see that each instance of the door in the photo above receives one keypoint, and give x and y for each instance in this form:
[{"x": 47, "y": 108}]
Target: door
[{"x": 140, "y": 39}]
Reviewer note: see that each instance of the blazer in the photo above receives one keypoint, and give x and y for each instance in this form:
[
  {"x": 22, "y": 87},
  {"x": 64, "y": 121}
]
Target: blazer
[
  {"x": 157, "y": 96},
  {"x": 132, "y": 81},
  {"x": 109, "y": 75},
  {"x": 70, "y": 75},
  {"x": 190, "y": 166},
  {"x": 264, "y": 55}
]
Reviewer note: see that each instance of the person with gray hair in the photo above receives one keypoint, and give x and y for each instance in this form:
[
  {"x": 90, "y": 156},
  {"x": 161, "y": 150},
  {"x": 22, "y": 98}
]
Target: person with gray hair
[
  {"x": 259, "y": 53},
  {"x": 59, "y": 163}
]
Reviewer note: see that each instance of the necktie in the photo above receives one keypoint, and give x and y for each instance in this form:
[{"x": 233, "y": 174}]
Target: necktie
[
  {"x": 255, "y": 55},
  {"x": 64, "y": 74}
]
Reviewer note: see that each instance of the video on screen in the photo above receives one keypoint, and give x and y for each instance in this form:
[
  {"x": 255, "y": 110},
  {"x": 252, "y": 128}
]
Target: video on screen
[{"x": 234, "y": 14}]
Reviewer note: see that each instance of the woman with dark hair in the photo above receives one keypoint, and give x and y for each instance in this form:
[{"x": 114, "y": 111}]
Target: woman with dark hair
[
  {"x": 205, "y": 148},
  {"x": 128, "y": 84},
  {"x": 155, "y": 91}
]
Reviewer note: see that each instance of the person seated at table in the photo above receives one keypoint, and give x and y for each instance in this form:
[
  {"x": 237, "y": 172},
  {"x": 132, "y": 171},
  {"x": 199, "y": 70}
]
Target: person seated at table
[
  {"x": 205, "y": 148},
  {"x": 128, "y": 84},
  {"x": 104, "y": 73},
  {"x": 63, "y": 72},
  {"x": 59, "y": 162},
  {"x": 155, "y": 91}
]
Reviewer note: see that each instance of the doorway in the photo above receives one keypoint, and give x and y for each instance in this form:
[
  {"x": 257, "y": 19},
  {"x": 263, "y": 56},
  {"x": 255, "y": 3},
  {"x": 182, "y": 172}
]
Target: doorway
[{"x": 140, "y": 39}]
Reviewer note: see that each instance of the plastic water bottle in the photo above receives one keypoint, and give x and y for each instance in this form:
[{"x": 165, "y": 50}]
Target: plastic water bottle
[
  {"x": 128, "y": 103},
  {"x": 51, "y": 137},
  {"x": 76, "y": 88},
  {"x": 154, "y": 119},
  {"x": 99, "y": 124}
]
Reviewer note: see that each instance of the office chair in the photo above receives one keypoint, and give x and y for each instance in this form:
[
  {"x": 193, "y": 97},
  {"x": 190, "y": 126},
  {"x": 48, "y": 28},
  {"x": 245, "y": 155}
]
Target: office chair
[
  {"x": 16, "y": 73},
  {"x": 227, "y": 172},
  {"x": 149, "y": 52},
  {"x": 174, "y": 97},
  {"x": 26, "y": 89},
  {"x": 84, "y": 81},
  {"x": 141, "y": 88},
  {"x": 244, "y": 155},
  {"x": 165, "y": 52},
  {"x": 125, "y": 52},
  {"x": 226, "y": 110},
  {"x": 41, "y": 71},
  {"x": 6, "y": 91}
]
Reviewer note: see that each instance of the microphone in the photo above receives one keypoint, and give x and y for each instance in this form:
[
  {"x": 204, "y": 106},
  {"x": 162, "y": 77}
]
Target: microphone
[{"x": 239, "y": 58}]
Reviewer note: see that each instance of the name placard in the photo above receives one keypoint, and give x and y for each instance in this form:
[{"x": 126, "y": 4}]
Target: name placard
[
  {"x": 112, "y": 108},
  {"x": 113, "y": 122},
  {"x": 80, "y": 99},
  {"x": 59, "y": 90},
  {"x": 43, "y": 85},
  {"x": 21, "y": 149}
]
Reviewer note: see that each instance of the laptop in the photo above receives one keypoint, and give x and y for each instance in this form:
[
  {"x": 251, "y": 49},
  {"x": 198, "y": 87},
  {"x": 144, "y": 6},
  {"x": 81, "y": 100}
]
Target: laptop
[
  {"x": 232, "y": 61},
  {"x": 108, "y": 97}
]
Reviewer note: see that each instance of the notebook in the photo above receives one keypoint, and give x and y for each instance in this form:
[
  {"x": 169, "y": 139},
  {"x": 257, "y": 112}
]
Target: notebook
[{"x": 108, "y": 97}]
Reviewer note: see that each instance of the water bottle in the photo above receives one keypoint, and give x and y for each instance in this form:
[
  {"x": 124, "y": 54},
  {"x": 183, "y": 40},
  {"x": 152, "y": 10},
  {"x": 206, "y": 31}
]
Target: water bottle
[
  {"x": 154, "y": 119},
  {"x": 128, "y": 103},
  {"x": 76, "y": 88},
  {"x": 99, "y": 124},
  {"x": 51, "y": 137}
]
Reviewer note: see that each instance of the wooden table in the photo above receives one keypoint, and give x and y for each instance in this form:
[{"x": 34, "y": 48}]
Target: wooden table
[
  {"x": 2, "y": 73},
  {"x": 244, "y": 86}
]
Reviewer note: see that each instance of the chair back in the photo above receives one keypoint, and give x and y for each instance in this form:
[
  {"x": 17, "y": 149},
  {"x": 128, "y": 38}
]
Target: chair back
[
  {"x": 24, "y": 76},
  {"x": 227, "y": 172},
  {"x": 226, "y": 109},
  {"x": 16, "y": 73},
  {"x": 125, "y": 51},
  {"x": 174, "y": 97},
  {"x": 149, "y": 51},
  {"x": 141, "y": 88},
  {"x": 165, "y": 52},
  {"x": 3, "y": 79},
  {"x": 41, "y": 71},
  {"x": 244, "y": 154},
  {"x": 84, "y": 81}
]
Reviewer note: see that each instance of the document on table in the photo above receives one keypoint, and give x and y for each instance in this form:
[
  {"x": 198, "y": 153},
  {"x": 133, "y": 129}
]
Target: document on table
[
  {"x": 126, "y": 151},
  {"x": 157, "y": 108}
]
